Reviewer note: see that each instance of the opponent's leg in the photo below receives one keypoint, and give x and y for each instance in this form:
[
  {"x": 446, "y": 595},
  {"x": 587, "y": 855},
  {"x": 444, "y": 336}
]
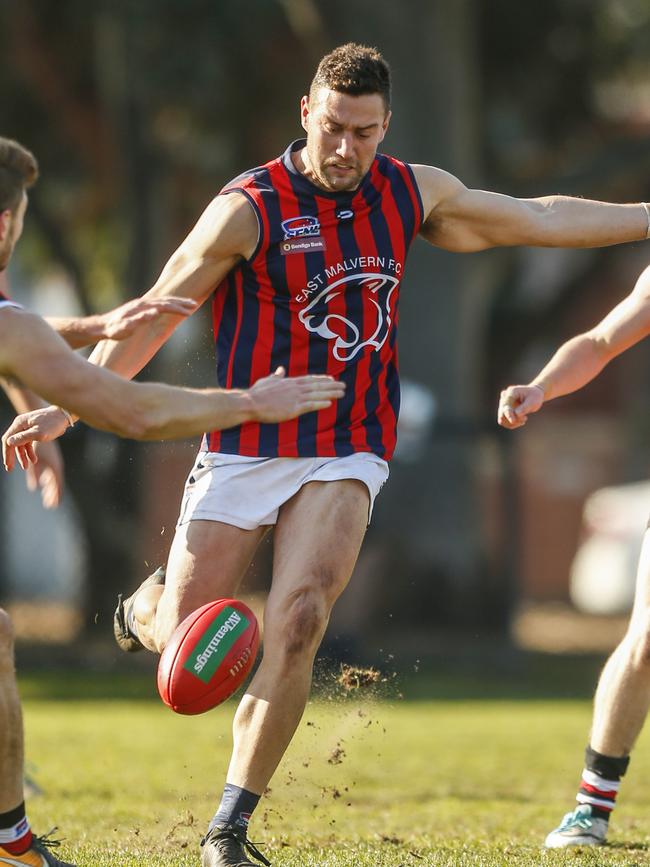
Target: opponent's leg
[
  {"x": 17, "y": 843},
  {"x": 207, "y": 561},
  {"x": 620, "y": 708},
  {"x": 11, "y": 722},
  {"x": 317, "y": 540}
]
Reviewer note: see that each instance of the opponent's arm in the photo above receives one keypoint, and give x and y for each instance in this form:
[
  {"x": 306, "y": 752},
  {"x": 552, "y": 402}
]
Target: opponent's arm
[
  {"x": 465, "y": 220},
  {"x": 29, "y": 349},
  {"x": 226, "y": 231},
  {"x": 581, "y": 359},
  {"x": 46, "y": 473},
  {"x": 117, "y": 324}
]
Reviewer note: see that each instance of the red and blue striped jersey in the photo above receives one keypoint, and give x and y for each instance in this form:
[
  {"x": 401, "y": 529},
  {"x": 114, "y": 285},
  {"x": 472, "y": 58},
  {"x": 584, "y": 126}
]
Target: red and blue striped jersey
[{"x": 319, "y": 295}]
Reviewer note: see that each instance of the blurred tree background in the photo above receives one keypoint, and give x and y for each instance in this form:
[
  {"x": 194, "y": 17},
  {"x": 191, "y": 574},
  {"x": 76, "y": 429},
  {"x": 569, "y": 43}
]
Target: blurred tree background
[{"x": 140, "y": 111}]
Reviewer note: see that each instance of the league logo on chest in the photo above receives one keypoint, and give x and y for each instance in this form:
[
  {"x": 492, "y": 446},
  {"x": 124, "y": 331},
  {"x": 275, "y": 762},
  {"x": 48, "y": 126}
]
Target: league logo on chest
[{"x": 328, "y": 314}]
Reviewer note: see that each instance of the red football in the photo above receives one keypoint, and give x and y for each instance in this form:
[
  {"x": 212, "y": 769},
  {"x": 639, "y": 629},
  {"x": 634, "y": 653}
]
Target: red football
[{"x": 208, "y": 656}]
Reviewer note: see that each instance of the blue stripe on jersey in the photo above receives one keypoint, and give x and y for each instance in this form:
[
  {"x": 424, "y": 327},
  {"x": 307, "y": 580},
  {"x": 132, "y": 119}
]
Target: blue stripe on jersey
[
  {"x": 242, "y": 350},
  {"x": 226, "y": 329}
]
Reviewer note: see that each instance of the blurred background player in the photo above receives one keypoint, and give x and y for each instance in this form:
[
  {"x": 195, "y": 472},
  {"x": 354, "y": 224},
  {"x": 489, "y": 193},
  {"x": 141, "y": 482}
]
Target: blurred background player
[
  {"x": 623, "y": 694},
  {"x": 32, "y": 356}
]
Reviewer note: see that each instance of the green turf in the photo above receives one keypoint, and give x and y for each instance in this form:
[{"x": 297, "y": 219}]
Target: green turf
[{"x": 367, "y": 782}]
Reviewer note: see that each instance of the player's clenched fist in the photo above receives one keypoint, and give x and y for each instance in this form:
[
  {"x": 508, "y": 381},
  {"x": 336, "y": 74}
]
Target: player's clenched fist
[
  {"x": 517, "y": 403},
  {"x": 278, "y": 397}
]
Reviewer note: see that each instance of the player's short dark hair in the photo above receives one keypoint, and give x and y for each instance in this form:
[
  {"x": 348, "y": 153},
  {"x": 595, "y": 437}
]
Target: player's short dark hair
[
  {"x": 18, "y": 171},
  {"x": 355, "y": 69}
]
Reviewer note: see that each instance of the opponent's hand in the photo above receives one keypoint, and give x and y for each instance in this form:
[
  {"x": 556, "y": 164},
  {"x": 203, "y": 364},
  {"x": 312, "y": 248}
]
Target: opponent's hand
[
  {"x": 124, "y": 320},
  {"x": 47, "y": 474},
  {"x": 40, "y": 425},
  {"x": 517, "y": 402},
  {"x": 278, "y": 397}
]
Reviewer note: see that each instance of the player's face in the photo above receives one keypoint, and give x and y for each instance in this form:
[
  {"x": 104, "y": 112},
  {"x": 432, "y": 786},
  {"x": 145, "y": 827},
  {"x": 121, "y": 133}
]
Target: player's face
[
  {"x": 11, "y": 228},
  {"x": 343, "y": 133}
]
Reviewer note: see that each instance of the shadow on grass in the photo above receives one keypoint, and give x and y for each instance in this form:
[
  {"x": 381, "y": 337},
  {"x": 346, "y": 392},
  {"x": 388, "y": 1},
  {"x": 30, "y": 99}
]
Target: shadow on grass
[{"x": 505, "y": 675}]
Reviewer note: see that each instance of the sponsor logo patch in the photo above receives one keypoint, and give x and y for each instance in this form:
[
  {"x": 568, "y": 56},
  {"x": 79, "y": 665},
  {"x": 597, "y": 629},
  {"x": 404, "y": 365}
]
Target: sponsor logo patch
[
  {"x": 302, "y": 245},
  {"x": 300, "y": 227}
]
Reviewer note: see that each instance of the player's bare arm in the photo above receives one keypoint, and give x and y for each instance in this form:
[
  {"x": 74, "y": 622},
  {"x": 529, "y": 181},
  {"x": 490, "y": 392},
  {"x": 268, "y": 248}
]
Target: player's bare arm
[
  {"x": 464, "y": 220},
  {"x": 142, "y": 410},
  {"x": 120, "y": 323},
  {"x": 226, "y": 232},
  {"x": 582, "y": 358},
  {"x": 46, "y": 473}
]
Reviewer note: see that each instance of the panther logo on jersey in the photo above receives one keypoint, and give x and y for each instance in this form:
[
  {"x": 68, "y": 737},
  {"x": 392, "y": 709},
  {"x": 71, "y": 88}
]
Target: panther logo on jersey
[{"x": 377, "y": 292}]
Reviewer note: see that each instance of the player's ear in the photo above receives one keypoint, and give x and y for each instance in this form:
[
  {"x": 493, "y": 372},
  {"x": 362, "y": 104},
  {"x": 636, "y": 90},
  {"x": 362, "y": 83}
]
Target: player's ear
[
  {"x": 304, "y": 111},
  {"x": 384, "y": 126},
  {"x": 5, "y": 223}
]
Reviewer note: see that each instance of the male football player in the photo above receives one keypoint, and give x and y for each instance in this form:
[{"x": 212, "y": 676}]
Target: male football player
[{"x": 303, "y": 259}]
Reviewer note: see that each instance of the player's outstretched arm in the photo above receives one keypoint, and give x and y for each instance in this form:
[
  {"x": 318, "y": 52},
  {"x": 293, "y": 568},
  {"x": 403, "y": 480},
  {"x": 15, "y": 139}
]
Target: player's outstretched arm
[
  {"x": 120, "y": 323},
  {"x": 31, "y": 350},
  {"x": 466, "y": 220},
  {"x": 581, "y": 359},
  {"x": 226, "y": 231},
  {"x": 159, "y": 414}
]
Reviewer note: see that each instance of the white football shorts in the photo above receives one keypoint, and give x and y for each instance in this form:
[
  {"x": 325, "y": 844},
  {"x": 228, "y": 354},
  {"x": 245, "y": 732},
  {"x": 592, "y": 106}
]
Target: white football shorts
[{"x": 248, "y": 492}]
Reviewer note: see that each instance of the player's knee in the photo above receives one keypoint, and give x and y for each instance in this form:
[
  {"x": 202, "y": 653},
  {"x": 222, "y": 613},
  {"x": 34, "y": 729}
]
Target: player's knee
[
  {"x": 639, "y": 644},
  {"x": 304, "y": 622},
  {"x": 6, "y": 636}
]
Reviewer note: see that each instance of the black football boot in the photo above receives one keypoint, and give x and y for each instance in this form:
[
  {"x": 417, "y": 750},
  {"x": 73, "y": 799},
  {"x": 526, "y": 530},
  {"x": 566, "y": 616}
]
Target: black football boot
[
  {"x": 126, "y": 640},
  {"x": 229, "y": 847}
]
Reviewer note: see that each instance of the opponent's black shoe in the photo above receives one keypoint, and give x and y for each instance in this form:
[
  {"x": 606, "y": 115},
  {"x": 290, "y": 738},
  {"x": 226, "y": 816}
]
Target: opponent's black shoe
[
  {"x": 227, "y": 847},
  {"x": 38, "y": 854},
  {"x": 126, "y": 640}
]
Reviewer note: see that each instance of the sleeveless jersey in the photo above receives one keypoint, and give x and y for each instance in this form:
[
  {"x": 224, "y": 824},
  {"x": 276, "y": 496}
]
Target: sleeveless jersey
[{"x": 319, "y": 295}]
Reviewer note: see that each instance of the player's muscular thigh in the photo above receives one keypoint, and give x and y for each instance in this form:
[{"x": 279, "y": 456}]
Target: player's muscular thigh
[{"x": 317, "y": 541}]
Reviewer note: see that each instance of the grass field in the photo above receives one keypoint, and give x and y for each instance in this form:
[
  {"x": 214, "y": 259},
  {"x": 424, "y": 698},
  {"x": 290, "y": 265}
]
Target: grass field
[{"x": 370, "y": 780}]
